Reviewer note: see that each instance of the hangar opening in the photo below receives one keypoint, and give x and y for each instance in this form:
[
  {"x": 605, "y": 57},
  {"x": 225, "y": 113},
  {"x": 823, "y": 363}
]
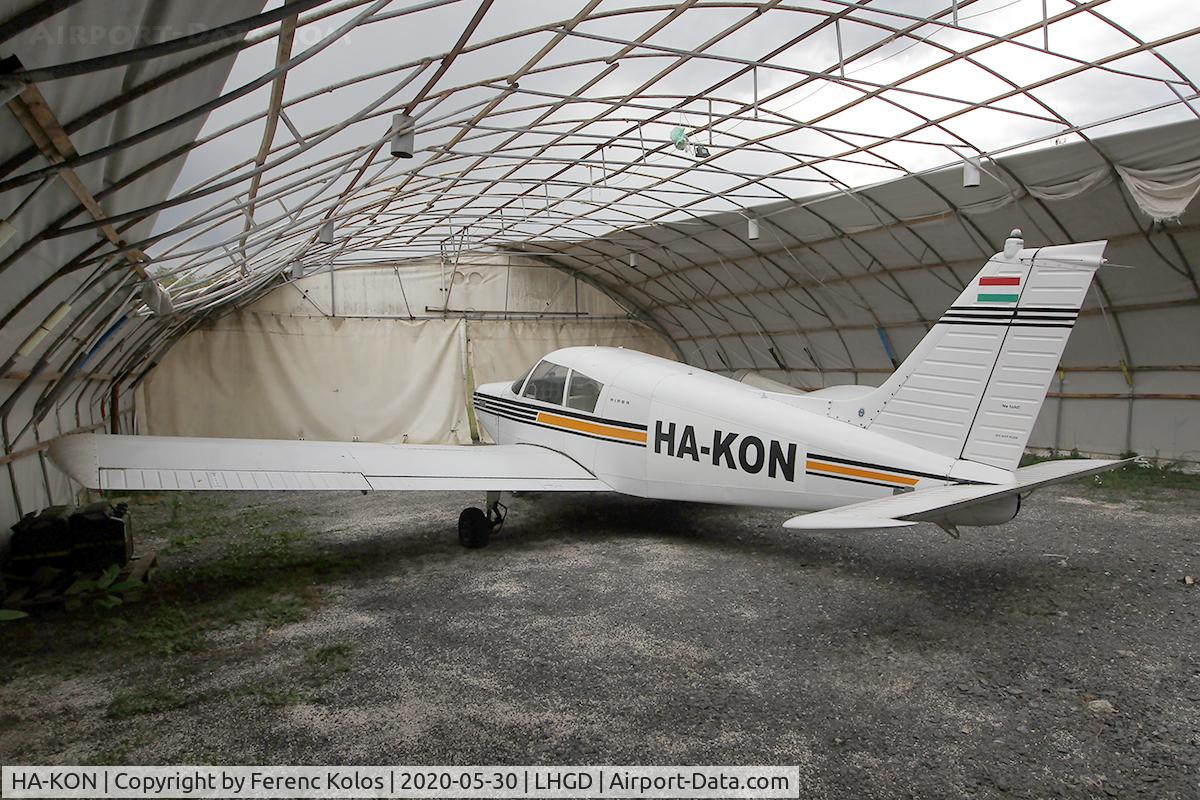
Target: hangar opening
[{"x": 946, "y": 250}]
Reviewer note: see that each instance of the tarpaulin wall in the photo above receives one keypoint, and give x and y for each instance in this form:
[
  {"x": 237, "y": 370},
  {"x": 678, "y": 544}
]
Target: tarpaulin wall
[{"x": 282, "y": 368}]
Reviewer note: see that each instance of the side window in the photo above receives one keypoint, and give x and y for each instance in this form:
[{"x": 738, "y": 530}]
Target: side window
[
  {"x": 547, "y": 383},
  {"x": 583, "y": 392},
  {"x": 519, "y": 382}
]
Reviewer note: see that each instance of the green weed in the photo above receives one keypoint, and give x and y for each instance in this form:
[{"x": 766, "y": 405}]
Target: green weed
[
  {"x": 1147, "y": 474},
  {"x": 277, "y": 698},
  {"x": 131, "y": 704},
  {"x": 333, "y": 657}
]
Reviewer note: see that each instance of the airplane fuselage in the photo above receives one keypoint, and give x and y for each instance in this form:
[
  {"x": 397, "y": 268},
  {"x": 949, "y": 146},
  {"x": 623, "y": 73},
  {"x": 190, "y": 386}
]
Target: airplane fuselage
[
  {"x": 940, "y": 440},
  {"x": 661, "y": 429}
]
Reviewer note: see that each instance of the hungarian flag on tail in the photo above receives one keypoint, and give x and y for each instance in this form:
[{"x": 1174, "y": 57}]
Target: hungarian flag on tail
[{"x": 994, "y": 282}]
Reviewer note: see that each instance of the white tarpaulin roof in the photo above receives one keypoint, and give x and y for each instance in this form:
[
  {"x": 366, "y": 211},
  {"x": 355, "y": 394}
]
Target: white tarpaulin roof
[
  {"x": 186, "y": 158},
  {"x": 837, "y": 288}
]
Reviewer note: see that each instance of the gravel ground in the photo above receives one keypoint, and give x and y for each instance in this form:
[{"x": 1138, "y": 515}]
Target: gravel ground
[{"x": 1054, "y": 656}]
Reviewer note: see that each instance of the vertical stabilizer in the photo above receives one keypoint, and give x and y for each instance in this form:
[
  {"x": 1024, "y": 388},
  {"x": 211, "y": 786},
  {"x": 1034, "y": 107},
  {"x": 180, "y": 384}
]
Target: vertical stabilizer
[{"x": 973, "y": 387}]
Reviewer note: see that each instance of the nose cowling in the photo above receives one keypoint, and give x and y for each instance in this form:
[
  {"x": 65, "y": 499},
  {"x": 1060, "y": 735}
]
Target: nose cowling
[{"x": 486, "y": 421}]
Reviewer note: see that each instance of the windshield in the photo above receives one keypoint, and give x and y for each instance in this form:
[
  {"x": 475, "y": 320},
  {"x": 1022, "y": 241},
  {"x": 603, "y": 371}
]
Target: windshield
[{"x": 519, "y": 382}]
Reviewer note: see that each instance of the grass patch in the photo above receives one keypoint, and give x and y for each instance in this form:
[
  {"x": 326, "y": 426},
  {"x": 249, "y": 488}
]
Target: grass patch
[
  {"x": 1148, "y": 475},
  {"x": 111, "y": 756},
  {"x": 278, "y": 698},
  {"x": 194, "y": 519},
  {"x": 333, "y": 657},
  {"x": 171, "y": 630},
  {"x": 286, "y": 609},
  {"x": 132, "y": 704},
  {"x": 227, "y": 566}
]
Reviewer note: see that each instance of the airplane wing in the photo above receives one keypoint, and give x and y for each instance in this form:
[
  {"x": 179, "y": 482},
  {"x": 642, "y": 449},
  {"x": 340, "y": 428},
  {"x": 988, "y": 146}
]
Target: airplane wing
[
  {"x": 170, "y": 462},
  {"x": 930, "y": 505}
]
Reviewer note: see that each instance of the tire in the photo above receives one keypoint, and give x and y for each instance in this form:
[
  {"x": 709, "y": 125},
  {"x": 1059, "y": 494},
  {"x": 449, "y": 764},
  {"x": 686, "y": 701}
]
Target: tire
[{"x": 473, "y": 528}]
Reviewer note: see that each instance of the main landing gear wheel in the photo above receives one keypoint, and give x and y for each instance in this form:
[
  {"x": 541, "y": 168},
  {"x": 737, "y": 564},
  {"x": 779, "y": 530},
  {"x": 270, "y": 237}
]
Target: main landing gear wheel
[{"x": 475, "y": 526}]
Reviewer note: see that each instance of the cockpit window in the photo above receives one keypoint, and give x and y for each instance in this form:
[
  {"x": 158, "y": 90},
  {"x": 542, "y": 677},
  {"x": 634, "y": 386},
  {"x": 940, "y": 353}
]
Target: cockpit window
[
  {"x": 519, "y": 382},
  {"x": 583, "y": 392},
  {"x": 547, "y": 383}
]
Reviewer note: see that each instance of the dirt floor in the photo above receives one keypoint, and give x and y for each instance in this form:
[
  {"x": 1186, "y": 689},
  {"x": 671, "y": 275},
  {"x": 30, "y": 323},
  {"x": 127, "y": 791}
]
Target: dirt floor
[{"x": 1055, "y": 656}]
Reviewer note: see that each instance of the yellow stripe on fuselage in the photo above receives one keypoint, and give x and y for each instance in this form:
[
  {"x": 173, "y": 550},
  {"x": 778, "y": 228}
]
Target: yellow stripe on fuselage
[
  {"x": 594, "y": 428},
  {"x": 860, "y": 473}
]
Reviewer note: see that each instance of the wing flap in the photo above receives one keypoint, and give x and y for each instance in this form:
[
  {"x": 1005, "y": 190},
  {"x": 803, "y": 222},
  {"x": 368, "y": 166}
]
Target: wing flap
[
  {"x": 228, "y": 480},
  {"x": 928, "y": 505},
  {"x": 168, "y": 463}
]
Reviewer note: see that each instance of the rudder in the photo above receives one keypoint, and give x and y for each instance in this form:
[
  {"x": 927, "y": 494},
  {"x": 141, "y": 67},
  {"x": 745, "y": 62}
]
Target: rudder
[{"x": 974, "y": 385}]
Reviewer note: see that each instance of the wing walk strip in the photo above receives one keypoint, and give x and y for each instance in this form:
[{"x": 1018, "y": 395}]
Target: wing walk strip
[
  {"x": 605, "y": 430},
  {"x": 1024, "y": 317},
  {"x": 865, "y": 472}
]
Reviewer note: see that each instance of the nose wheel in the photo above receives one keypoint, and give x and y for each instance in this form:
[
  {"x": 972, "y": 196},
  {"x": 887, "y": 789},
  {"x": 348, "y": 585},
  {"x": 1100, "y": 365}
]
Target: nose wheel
[{"x": 475, "y": 525}]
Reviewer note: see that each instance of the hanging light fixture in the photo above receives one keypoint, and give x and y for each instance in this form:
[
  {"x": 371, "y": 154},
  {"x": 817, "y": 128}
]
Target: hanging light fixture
[
  {"x": 751, "y": 227},
  {"x": 7, "y": 231},
  {"x": 325, "y": 233},
  {"x": 297, "y": 269},
  {"x": 403, "y": 130},
  {"x": 971, "y": 172}
]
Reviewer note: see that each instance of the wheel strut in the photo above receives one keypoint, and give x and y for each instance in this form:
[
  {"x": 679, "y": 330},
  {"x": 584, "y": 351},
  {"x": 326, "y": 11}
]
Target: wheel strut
[{"x": 496, "y": 511}]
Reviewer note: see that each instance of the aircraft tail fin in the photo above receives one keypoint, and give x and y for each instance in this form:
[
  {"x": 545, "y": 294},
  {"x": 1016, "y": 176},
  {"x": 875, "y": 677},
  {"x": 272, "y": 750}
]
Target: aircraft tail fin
[{"x": 973, "y": 387}]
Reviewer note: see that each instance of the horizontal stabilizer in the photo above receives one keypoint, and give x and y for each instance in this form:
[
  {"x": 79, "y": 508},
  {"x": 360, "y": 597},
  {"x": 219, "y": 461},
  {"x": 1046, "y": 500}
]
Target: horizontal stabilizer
[
  {"x": 124, "y": 463},
  {"x": 933, "y": 504}
]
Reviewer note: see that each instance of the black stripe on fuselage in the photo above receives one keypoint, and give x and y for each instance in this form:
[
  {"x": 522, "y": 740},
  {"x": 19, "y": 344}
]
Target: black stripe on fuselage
[
  {"x": 560, "y": 411},
  {"x": 867, "y": 464},
  {"x": 489, "y": 405},
  {"x": 527, "y": 421}
]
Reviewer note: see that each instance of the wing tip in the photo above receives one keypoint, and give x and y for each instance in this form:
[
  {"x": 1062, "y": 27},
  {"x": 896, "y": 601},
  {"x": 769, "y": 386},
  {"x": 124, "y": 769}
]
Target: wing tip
[{"x": 78, "y": 456}]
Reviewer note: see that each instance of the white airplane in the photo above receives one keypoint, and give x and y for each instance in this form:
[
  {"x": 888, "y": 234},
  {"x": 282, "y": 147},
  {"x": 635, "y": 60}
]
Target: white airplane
[{"x": 939, "y": 441}]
